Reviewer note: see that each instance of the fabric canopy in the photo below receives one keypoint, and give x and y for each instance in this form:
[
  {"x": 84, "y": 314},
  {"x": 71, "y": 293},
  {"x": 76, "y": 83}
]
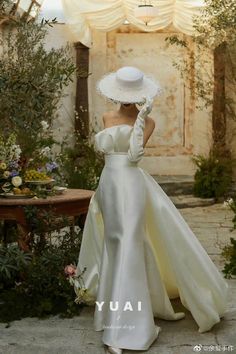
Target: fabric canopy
[{"x": 106, "y": 15}]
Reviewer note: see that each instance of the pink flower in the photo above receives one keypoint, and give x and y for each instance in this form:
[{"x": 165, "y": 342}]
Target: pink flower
[{"x": 70, "y": 270}]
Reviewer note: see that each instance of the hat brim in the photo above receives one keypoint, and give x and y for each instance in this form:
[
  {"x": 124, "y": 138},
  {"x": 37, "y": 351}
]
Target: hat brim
[{"x": 109, "y": 88}]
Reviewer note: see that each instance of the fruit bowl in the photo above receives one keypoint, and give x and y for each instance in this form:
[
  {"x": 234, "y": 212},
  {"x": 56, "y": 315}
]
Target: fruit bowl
[{"x": 36, "y": 177}]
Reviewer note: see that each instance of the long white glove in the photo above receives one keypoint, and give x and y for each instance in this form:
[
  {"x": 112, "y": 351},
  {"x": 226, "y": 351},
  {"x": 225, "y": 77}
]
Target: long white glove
[{"x": 136, "y": 149}]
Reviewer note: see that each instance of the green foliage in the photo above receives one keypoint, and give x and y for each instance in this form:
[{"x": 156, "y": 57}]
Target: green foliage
[
  {"x": 4, "y": 7},
  {"x": 81, "y": 164},
  {"x": 213, "y": 176},
  {"x": 214, "y": 27},
  {"x": 31, "y": 80},
  {"x": 231, "y": 203},
  {"x": 216, "y": 23},
  {"x": 34, "y": 283},
  {"x": 12, "y": 262},
  {"x": 229, "y": 253}
]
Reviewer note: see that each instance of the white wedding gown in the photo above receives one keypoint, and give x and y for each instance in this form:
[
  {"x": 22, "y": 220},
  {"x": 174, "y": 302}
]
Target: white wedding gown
[{"x": 137, "y": 247}]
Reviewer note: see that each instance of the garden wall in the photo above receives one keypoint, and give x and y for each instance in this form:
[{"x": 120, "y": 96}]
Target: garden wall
[
  {"x": 181, "y": 129},
  {"x": 58, "y": 36}
]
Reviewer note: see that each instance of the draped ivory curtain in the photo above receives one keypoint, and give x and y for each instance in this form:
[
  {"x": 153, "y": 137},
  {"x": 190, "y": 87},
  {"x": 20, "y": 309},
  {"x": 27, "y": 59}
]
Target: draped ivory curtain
[{"x": 106, "y": 15}]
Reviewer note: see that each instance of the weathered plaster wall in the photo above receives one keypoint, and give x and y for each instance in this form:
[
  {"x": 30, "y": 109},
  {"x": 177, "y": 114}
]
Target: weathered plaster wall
[
  {"x": 58, "y": 36},
  {"x": 181, "y": 129}
]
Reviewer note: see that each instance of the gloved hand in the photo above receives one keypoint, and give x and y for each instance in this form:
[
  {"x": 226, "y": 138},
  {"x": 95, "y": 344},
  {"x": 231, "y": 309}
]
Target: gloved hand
[
  {"x": 136, "y": 149},
  {"x": 147, "y": 108}
]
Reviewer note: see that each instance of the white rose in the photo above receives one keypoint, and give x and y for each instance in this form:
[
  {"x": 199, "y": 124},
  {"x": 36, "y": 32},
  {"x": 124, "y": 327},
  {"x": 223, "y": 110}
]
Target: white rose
[
  {"x": 44, "y": 125},
  {"x": 46, "y": 151},
  {"x": 16, "y": 181},
  {"x": 6, "y": 174},
  {"x": 15, "y": 152},
  {"x": 18, "y": 151}
]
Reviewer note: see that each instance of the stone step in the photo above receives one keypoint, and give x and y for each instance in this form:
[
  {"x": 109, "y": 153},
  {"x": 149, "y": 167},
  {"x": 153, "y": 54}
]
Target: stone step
[
  {"x": 180, "y": 191},
  {"x": 183, "y": 185},
  {"x": 189, "y": 201},
  {"x": 175, "y": 185}
]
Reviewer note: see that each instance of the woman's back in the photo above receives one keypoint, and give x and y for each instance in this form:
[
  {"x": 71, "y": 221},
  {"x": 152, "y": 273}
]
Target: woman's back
[
  {"x": 114, "y": 139},
  {"x": 127, "y": 115}
]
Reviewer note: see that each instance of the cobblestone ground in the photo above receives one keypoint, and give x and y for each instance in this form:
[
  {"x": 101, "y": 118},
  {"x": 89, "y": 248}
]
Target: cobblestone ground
[{"x": 211, "y": 225}]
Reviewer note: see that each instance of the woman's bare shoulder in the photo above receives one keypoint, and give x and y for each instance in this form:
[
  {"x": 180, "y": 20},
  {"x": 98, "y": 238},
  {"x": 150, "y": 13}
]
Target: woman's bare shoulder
[
  {"x": 150, "y": 123},
  {"x": 108, "y": 117}
]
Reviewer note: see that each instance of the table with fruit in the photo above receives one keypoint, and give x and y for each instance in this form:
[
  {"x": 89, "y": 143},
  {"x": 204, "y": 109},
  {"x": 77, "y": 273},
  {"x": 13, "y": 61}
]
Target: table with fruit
[
  {"x": 72, "y": 203},
  {"x": 34, "y": 184}
]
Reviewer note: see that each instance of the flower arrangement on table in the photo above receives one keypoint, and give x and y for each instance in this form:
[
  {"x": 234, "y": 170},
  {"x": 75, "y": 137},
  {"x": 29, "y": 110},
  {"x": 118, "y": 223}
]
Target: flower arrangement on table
[{"x": 22, "y": 177}]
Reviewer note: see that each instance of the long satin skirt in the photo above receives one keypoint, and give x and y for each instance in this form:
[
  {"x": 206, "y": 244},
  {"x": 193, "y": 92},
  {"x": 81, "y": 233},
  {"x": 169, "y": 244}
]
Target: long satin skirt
[
  {"x": 138, "y": 249},
  {"x": 124, "y": 279}
]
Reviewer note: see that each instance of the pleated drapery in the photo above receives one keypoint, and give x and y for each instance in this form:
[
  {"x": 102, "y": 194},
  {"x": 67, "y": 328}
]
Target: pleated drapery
[{"x": 106, "y": 15}]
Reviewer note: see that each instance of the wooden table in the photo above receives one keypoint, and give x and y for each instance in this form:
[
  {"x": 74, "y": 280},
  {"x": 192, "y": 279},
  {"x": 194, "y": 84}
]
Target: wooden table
[{"x": 73, "y": 202}]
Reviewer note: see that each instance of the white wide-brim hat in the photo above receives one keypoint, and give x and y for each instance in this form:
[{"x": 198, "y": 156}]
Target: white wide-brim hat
[{"x": 128, "y": 85}]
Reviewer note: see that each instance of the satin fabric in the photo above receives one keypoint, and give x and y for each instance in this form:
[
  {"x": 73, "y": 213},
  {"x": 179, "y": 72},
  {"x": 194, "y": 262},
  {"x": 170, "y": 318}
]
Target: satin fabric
[{"x": 136, "y": 246}]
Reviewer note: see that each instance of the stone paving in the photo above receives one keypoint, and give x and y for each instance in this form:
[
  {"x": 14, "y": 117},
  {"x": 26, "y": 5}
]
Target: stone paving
[{"x": 211, "y": 225}]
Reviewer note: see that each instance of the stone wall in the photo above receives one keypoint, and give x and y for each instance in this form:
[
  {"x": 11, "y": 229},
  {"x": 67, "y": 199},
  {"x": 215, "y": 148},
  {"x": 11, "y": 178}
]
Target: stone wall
[
  {"x": 58, "y": 36},
  {"x": 181, "y": 129}
]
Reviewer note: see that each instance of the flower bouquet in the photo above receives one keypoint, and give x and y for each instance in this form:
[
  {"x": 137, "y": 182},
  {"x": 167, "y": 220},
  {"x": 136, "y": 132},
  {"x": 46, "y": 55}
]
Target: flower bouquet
[
  {"x": 75, "y": 277},
  {"x": 42, "y": 169},
  {"x": 11, "y": 179},
  {"x": 22, "y": 177}
]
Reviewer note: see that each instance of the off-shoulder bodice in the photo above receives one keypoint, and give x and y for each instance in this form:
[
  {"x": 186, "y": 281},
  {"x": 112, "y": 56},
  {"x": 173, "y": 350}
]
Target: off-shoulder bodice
[
  {"x": 122, "y": 138},
  {"x": 114, "y": 139}
]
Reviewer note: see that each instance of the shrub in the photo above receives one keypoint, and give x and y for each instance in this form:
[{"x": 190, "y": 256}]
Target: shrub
[
  {"x": 229, "y": 251},
  {"x": 34, "y": 284},
  {"x": 81, "y": 164},
  {"x": 32, "y": 79},
  {"x": 213, "y": 176}
]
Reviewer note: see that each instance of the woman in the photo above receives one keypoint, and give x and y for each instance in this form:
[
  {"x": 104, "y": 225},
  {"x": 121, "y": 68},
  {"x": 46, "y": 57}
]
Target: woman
[{"x": 137, "y": 249}]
